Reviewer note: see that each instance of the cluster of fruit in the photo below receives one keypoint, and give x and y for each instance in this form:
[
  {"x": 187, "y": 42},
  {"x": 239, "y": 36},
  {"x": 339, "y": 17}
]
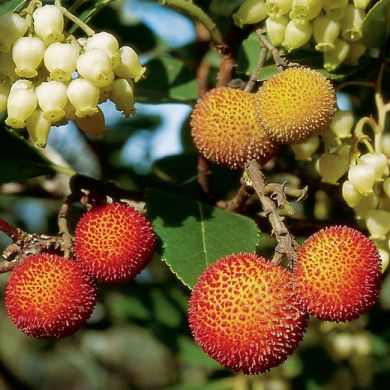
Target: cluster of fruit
[
  {"x": 249, "y": 314},
  {"x": 48, "y": 296},
  {"x": 231, "y": 127},
  {"x": 48, "y": 77},
  {"x": 334, "y": 25}
]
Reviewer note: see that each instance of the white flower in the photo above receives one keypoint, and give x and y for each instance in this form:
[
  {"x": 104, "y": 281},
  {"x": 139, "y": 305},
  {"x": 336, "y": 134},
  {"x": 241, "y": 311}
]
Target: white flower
[
  {"x": 350, "y": 194},
  {"x": 304, "y": 150},
  {"x": 38, "y": 128},
  {"x": 27, "y": 53},
  {"x": 296, "y": 35},
  {"x": 325, "y": 31},
  {"x": 304, "y": 10},
  {"x": 342, "y": 123},
  {"x": 378, "y": 223},
  {"x": 21, "y": 104},
  {"x": 12, "y": 27},
  {"x": 278, "y": 8},
  {"x": 378, "y": 161},
  {"x": 84, "y": 97},
  {"x": 60, "y": 60},
  {"x": 95, "y": 66},
  {"x": 333, "y": 58},
  {"x": 276, "y": 28},
  {"x": 52, "y": 98},
  {"x": 362, "y": 177},
  {"x": 106, "y": 42},
  {"x": 130, "y": 66},
  {"x": 250, "y": 12},
  {"x": 94, "y": 126},
  {"x": 122, "y": 95},
  {"x": 22, "y": 84},
  {"x": 49, "y": 23},
  {"x": 352, "y": 22},
  {"x": 332, "y": 167}
]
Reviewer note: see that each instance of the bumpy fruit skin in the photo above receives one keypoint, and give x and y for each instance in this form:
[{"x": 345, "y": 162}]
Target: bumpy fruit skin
[
  {"x": 114, "y": 242},
  {"x": 242, "y": 312},
  {"x": 225, "y": 130},
  {"x": 337, "y": 274},
  {"x": 295, "y": 104},
  {"x": 49, "y": 297}
]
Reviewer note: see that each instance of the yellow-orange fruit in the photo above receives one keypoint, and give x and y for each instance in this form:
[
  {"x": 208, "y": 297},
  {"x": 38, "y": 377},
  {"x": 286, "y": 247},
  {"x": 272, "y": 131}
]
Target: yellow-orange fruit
[
  {"x": 242, "y": 312},
  {"x": 225, "y": 130},
  {"x": 337, "y": 274},
  {"x": 48, "y": 296},
  {"x": 114, "y": 242},
  {"x": 295, "y": 104}
]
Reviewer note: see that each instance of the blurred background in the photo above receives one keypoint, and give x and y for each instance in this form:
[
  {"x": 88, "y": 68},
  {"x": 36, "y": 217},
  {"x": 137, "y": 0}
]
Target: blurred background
[{"x": 138, "y": 336}]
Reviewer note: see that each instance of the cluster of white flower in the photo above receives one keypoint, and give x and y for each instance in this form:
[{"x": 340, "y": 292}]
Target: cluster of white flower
[
  {"x": 47, "y": 76},
  {"x": 334, "y": 25},
  {"x": 364, "y": 176}
]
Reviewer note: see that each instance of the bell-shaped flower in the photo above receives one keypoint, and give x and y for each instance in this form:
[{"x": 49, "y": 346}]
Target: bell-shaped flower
[
  {"x": 20, "y": 105},
  {"x": 378, "y": 161},
  {"x": 22, "y": 84},
  {"x": 250, "y": 12},
  {"x": 94, "y": 125},
  {"x": 276, "y": 29},
  {"x": 350, "y": 194},
  {"x": 352, "y": 22},
  {"x": 130, "y": 66},
  {"x": 60, "y": 60},
  {"x": 367, "y": 203},
  {"x": 27, "y": 54},
  {"x": 38, "y": 128},
  {"x": 84, "y": 97},
  {"x": 52, "y": 98},
  {"x": 296, "y": 35},
  {"x": 278, "y": 8},
  {"x": 122, "y": 95},
  {"x": 342, "y": 123},
  {"x": 303, "y": 11},
  {"x": 331, "y": 167},
  {"x": 95, "y": 66},
  {"x": 362, "y": 177},
  {"x": 378, "y": 223},
  {"x": 334, "y": 58},
  {"x": 49, "y": 23},
  {"x": 356, "y": 50},
  {"x": 106, "y": 42},
  {"x": 305, "y": 150},
  {"x": 7, "y": 69},
  {"x": 12, "y": 27},
  {"x": 325, "y": 32}
]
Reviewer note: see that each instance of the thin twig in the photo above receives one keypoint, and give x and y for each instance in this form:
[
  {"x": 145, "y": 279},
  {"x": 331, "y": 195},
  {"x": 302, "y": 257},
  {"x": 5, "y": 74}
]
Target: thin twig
[
  {"x": 287, "y": 246},
  {"x": 260, "y": 63}
]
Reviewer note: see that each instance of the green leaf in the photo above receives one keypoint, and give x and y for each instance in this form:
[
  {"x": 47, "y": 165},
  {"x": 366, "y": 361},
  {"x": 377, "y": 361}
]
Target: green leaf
[
  {"x": 376, "y": 24},
  {"x": 194, "y": 235},
  {"x": 248, "y": 54},
  {"x": 11, "y": 6},
  {"x": 20, "y": 160},
  {"x": 167, "y": 80}
]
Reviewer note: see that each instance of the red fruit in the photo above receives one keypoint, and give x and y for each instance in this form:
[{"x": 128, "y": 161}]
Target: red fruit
[
  {"x": 114, "y": 242},
  {"x": 48, "y": 296},
  {"x": 337, "y": 274},
  {"x": 242, "y": 312}
]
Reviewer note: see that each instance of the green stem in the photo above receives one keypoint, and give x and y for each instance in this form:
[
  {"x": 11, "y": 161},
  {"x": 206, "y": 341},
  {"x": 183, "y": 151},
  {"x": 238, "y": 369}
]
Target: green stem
[
  {"x": 64, "y": 170},
  {"x": 88, "y": 30},
  {"x": 197, "y": 13}
]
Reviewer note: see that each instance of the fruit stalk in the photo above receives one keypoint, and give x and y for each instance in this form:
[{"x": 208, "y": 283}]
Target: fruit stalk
[{"x": 287, "y": 246}]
